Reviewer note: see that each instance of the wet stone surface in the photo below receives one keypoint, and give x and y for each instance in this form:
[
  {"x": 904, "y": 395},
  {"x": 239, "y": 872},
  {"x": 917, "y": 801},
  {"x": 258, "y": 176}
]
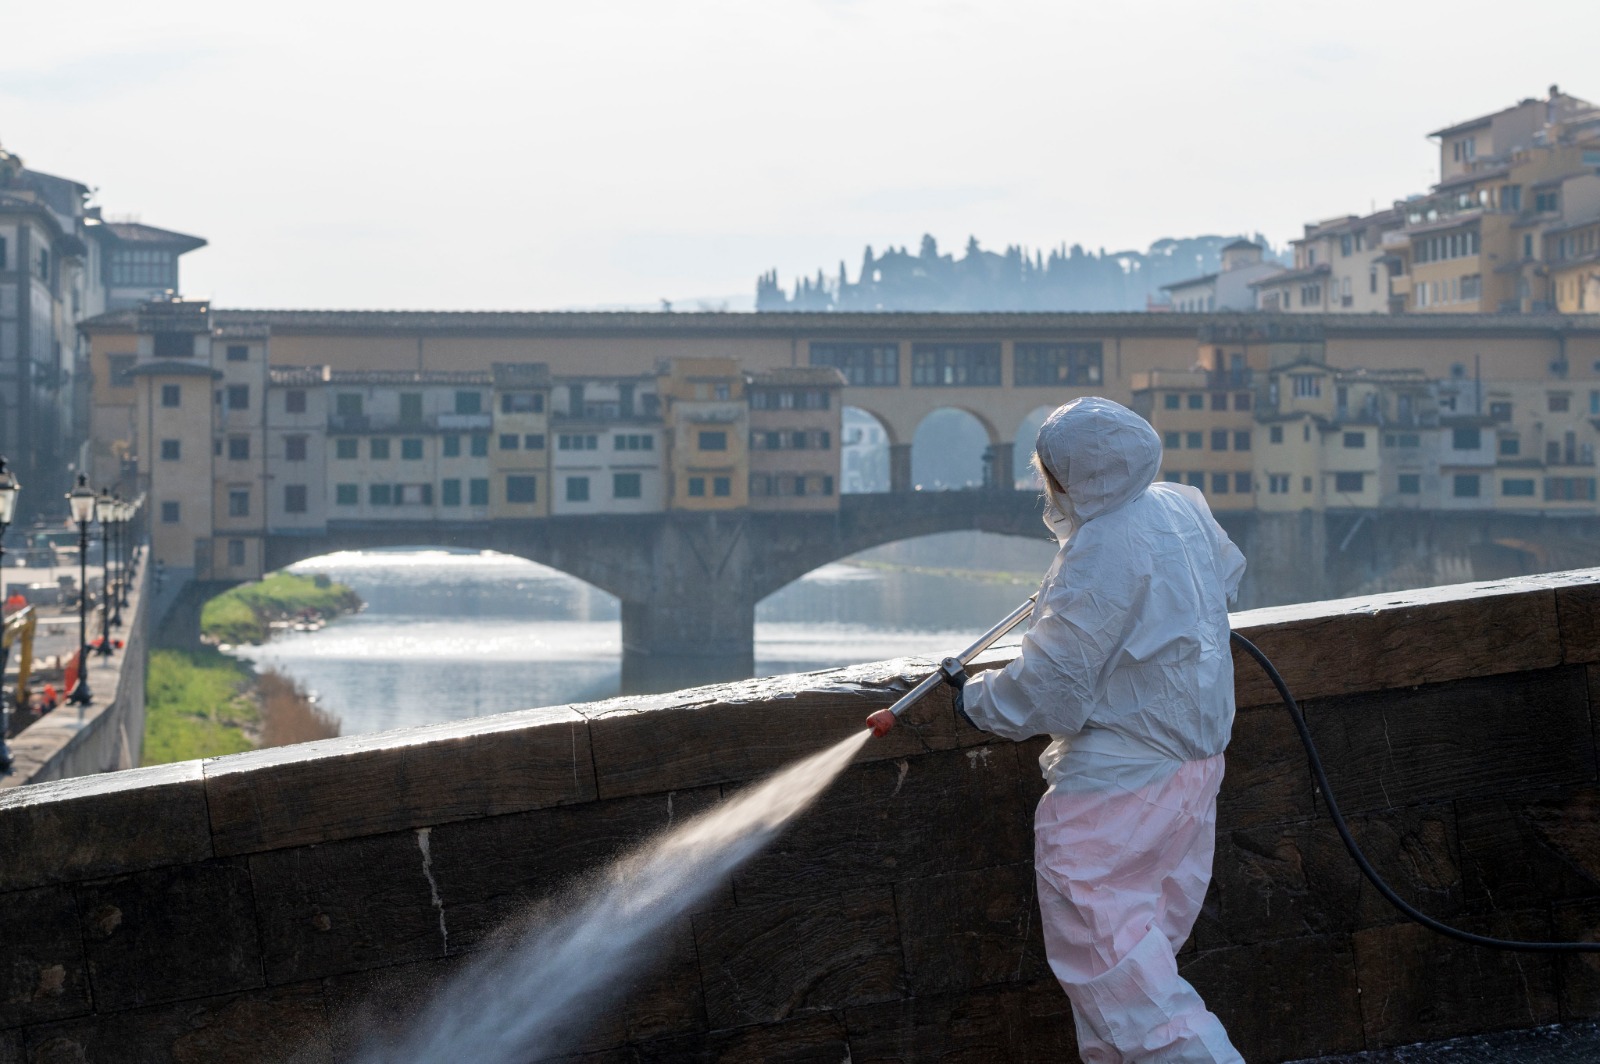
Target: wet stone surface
[{"x": 1577, "y": 1043}]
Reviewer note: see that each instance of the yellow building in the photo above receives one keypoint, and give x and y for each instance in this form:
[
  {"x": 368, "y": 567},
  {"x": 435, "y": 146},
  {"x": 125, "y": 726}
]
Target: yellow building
[
  {"x": 795, "y": 426},
  {"x": 1573, "y": 253},
  {"x": 707, "y": 426},
  {"x": 520, "y": 443},
  {"x": 1206, "y": 422}
]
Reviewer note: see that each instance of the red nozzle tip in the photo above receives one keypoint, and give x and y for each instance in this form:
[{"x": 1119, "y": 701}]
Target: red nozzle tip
[{"x": 880, "y": 722}]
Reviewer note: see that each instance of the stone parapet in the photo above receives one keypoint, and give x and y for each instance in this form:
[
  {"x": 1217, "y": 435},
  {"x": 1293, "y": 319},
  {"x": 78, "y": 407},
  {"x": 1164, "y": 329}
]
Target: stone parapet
[{"x": 275, "y": 905}]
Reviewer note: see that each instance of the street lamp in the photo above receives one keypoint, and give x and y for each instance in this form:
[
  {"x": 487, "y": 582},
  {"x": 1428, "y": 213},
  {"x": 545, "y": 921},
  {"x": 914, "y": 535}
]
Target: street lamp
[
  {"x": 104, "y": 504},
  {"x": 119, "y": 591},
  {"x": 9, "y": 490},
  {"x": 81, "y": 501}
]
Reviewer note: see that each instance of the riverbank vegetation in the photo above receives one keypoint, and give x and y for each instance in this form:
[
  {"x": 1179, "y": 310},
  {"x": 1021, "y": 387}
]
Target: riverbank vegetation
[{"x": 247, "y": 613}]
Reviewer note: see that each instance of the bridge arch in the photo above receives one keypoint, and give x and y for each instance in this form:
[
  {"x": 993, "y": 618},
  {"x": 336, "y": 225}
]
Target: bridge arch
[
  {"x": 950, "y": 448},
  {"x": 866, "y": 443}
]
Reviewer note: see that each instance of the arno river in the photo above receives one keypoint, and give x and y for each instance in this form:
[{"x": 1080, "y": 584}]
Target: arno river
[{"x": 448, "y": 635}]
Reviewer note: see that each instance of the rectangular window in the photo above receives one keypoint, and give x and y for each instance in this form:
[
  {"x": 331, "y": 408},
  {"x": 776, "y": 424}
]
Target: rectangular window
[
  {"x": 1355, "y": 440},
  {"x": 238, "y": 353},
  {"x": 1306, "y": 385},
  {"x": 1464, "y": 485},
  {"x": 1348, "y": 483},
  {"x": 1197, "y": 480},
  {"x": 235, "y": 552},
  {"x": 378, "y": 448},
  {"x": 827, "y": 485},
  {"x": 722, "y": 486},
  {"x": 469, "y": 402},
  {"x": 450, "y": 491},
  {"x": 347, "y": 404},
  {"x": 577, "y": 489},
  {"x": 1242, "y": 401},
  {"x": 1518, "y": 486},
  {"x": 1219, "y": 400},
  {"x": 1510, "y": 446},
  {"x": 955, "y": 365},
  {"x": 533, "y": 441},
  {"x": 1502, "y": 411},
  {"x": 1219, "y": 483},
  {"x": 171, "y": 450},
  {"x": 239, "y": 502},
  {"x": 1410, "y": 484},
  {"x": 478, "y": 490},
  {"x": 522, "y": 403},
  {"x": 1194, "y": 440},
  {"x": 347, "y": 495},
  {"x": 523, "y": 489},
  {"x": 509, "y": 441},
  {"x": 380, "y": 494},
  {"x": 410, "y": 408},
  {"x": 1241, "y": 483},
  {"x": 713, "y": 441},
  {"x": 451, "y": 448},
  {"x": 294, "y": 448},
  {"x": 238, "y": 448},
  {"x": 1241, "y": 440},
  {"x": 294, "y": 401},
  {"x": 174, "y": 345},
  {"x": 1560, "y": 402},
  {"x": 238, "y": 397},
  {"x": 863, "y": 365},
  {"x": 169, "y": 513},
  {"x": 1196, "y": 401},
  {"x": 171, "y": 394},
  {"x": 1171, "y": 401},
  {"x": 294, "y": 498},
  {"x": 1277, "y": 483},
  {"x": 480, "y": 446},
  {"x": 1172, "y": 440},
  {"x": 411, "y": 449},
  {"x": 1275, "y": 434},
  {"x": 1468, "y": 439},
  {"x": 697, "y": 486},
  {"x": 118, "y": 368},
  {"x": 1057, "y": 365},
  {"x": 626, "y": 486},
  {"x": 1219, "y": 439},
  {"x": 346, "y": 447}
]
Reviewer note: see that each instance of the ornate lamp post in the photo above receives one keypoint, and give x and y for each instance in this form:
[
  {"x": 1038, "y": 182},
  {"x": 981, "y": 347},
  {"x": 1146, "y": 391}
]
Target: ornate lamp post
[
  {"x": 81, "y": 500},
  {"x": 103, "y": 507},
  {"x": 9, "y": 490}
]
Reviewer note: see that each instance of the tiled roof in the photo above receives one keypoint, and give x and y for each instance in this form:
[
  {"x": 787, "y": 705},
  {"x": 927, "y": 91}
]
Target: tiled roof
[
  {"x": 148, "y": 235},
  {"x": 1204, "y": 278},
  {"x": 1319, "y": 270},
  {"x": 797, "y": 375}
]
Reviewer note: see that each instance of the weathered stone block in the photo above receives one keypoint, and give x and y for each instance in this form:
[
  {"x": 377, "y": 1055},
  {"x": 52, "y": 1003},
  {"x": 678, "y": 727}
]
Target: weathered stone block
[
  {"x": 892, "y": 820},
  {"x": 1283, "y": 1000},
  {"x": 369, "y": 784},
  {"x": 345, "y": 906},
  {"x": 1578, "y": 608},
  {"x": 170, "y": 933},
  {"x": 812, "y": 1040},
  {"x": 282, "y": 1025},
  {"x": 971, "y": 929},
  {"x": 1469, "y": 738},
  {"x": 1277, "y": 881},
  {"x": 1507, "y": 863},
  {"x": 761, "y": 964},
  {"x": 1417, "y": 986},
  {"x": 1267, "y": 780},
  {"x": 42, "y": 974},
  {"x": 1030, "y": 1024},
  {"x": 493, "y": 870},
  {"x": 1578, "y": 921},
  {"x": 376, "y": 1008},
  {"x": 1414, "y": 850},
  {"x": 102, "y": 825}
]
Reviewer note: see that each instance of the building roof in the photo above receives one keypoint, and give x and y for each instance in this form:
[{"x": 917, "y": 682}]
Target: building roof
[
  {"x": 1241, "y": 245},
  {"x": 521, "y": 375},
  {"x": 173, "y": 368},
  {"x": 814, "y": 376},
  {"x": 1462, "y": 127},
  {"x": 1193, "y": 282},
  {"x": 147, "y": 236},
  {"x": 1472, "y": 177},
  {"x": 1289, "y": 276}
]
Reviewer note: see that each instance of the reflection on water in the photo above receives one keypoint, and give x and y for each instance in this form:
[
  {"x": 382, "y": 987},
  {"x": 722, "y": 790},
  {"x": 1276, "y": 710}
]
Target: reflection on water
[{"x": 448, "y": 635}]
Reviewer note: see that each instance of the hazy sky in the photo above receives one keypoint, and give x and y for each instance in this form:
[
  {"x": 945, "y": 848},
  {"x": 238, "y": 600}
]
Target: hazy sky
[{"x": 541, "y": 155}]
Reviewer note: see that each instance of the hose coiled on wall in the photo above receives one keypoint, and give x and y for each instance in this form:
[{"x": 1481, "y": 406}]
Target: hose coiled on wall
[{"x": 1350, "y": 844}]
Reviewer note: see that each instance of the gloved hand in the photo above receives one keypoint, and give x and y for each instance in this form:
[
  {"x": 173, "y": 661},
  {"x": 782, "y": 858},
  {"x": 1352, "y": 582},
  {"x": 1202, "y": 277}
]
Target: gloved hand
[{"x": 955, "y": 674}]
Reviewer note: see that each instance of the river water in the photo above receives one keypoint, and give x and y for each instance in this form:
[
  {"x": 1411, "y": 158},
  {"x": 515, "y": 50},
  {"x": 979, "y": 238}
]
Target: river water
[{"x": 447, "y": 635}]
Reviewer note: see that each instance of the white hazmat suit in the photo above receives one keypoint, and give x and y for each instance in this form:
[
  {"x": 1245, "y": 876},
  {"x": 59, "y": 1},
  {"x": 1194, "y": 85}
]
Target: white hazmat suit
[{"x": 1126, "y": 666}]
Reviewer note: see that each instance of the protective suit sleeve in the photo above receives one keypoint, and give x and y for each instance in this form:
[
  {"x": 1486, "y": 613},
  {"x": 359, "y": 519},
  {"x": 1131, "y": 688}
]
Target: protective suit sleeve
[
  {"x": 1230, "y": 560},
  {"x": 1050, "y": 688}
]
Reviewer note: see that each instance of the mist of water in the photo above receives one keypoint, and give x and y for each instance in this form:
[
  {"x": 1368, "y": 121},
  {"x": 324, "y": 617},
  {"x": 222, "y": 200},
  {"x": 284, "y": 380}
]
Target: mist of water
[{"x": 533, "y": 997}]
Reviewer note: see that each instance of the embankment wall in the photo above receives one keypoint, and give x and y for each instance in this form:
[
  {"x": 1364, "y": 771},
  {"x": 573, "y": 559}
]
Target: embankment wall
[{"x": 275, "y": 905}]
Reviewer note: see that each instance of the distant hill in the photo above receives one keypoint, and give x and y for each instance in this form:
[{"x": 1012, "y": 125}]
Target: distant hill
[{"x": 1016, "y": 279}]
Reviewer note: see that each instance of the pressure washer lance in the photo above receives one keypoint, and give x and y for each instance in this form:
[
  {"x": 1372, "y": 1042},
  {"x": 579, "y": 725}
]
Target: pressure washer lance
[{"x": 881, "y": 721}]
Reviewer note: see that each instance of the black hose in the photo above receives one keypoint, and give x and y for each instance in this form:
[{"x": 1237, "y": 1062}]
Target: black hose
[{"x": 1361, "y": 859}]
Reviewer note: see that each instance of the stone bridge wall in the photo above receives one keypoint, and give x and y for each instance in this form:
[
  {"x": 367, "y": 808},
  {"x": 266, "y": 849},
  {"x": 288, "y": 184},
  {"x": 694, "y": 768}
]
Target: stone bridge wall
[{"x": 270, "y": 906}]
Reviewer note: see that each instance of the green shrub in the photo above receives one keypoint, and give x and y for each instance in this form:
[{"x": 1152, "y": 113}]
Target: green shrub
[
  {"x": 242, "y": 614},
  {"x": 197, "y": 704}
]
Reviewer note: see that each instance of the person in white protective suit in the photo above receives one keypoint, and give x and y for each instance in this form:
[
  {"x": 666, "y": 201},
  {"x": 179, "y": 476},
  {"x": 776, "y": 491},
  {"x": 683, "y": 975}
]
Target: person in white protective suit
[{"x": 1126, "y": 666}]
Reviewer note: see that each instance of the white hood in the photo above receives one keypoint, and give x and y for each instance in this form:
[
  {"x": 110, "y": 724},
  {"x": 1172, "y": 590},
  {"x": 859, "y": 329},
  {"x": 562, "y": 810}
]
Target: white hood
[{"x": 1102, "y": 453}]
